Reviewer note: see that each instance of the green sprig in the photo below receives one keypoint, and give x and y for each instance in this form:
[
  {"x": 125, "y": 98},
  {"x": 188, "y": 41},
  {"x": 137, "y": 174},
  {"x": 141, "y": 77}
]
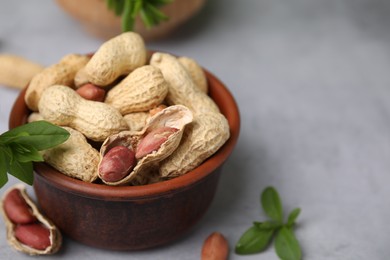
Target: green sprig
[
  {"x": 20, "y": 147},
  {"x": 258, "y": 237},
  {"x": 147, "y": 9}
]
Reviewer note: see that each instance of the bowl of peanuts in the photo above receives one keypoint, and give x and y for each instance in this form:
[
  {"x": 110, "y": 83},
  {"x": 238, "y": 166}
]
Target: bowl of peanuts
[{"x": 147, "y": 143}]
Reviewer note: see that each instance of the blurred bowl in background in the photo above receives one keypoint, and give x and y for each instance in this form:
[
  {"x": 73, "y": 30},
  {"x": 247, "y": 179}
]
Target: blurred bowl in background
[{"x": 101, "y": 22}]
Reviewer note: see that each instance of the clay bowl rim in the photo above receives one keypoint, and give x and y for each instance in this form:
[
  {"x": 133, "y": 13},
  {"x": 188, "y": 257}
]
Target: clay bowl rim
[{"x": 220, "y": 94}]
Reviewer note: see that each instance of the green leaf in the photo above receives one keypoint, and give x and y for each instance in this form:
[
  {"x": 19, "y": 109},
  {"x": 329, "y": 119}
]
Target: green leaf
[
  {"x": 25, "y": 153},
  {"x": 272, "y": 204},
  {"x": 6, "y": 138},
  {"x": 267, "y": 225},
  {"x": 130, "y": 10},
  {"x": 118, "y": 7},
  {"x": 286, "y": 245},
  {"x": 23, "y": 171},
  {"x": 254, "y": 240},
  {"x": 156, "y": 15},
  {"x": 8, "y": 154},
  {"x": 110, "y": 4},
  {"x": 3, "y": 167},
  {"x": 41, "y": 135},
  {"x": 292, "y": 217}
]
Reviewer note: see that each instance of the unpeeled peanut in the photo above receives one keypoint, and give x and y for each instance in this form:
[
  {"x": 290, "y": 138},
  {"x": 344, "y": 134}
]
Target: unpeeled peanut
[
  {"x": 61, "y": 73},
  {"x": 137, "y": 120},
  {"x": 142, "y": 90},
  {"x": 202, "y": 138},
  {"x": 33, "y": 235},
  {"x": 196, "y": 72},
  {"x": 17, "y": 209},
  {"x": 215, "y": 247},
  {"x": 34, "y": 116},
  {"x": 116, "y": 163},
  {"x": 75, "y": 157},
  {"x": 182, "y": 89},
  {"x": 16, "y": 71},
  {"x": 117, "y": 56},
  {"x": 91, "y": 92},
  {"x": 153, "y": 140},
  {"x": 62, "y": 106}
]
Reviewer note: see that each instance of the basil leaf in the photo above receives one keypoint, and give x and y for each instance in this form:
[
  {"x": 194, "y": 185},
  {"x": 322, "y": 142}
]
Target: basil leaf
[
  {"x": 25, "y": 153},
  {"x": 267, "y": 225},
  {"x": 8, "y": 154},
  {"x": 23, "y": 171},
  {"x": 292, "y": 217},
  {"x": 3, "y": 167},
  {"x": 41, "y": 135},
  {"x": 272, "y": 204},
  {"x": 254, "y": 240},
  {"x": 6, "y": 138},
  {"x": 286, "y": 245}
]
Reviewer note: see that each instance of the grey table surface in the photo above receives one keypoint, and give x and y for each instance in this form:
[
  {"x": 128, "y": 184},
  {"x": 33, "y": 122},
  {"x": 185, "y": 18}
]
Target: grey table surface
[{"x": 311, "y": 78}]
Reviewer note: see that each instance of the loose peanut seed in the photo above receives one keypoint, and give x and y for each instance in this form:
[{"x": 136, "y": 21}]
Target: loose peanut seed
[
  {"x": 116, "y": 164},
  {"x": 17, "y": 209},
  {"x": 90, "y": 91},
  {"x": 33, "y": 235},
  {"x": 153, "y": 140}
]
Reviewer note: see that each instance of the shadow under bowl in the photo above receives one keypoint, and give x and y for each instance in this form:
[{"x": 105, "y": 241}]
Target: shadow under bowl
[{"x": 132, "y": 217}]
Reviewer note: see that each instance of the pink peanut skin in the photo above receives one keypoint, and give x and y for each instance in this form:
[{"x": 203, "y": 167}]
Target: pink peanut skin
[
  {"x": 91, "y": 92},
  {"x": 16, "y": 208},
  {"x": 33, "y": 235},
  {"x": 153, "y": 140},
  {"x": 116, "y": 164}
]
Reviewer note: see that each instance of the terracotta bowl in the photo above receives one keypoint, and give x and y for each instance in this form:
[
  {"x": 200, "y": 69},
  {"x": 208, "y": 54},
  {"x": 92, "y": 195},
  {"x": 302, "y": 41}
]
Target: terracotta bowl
[{"x": 132, "y": 217}]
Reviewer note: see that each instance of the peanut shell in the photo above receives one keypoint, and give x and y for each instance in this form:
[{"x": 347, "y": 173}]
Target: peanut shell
[
  {"x": 142, "y": 90},
  {"x": 137, "y": 120},
  {"x": 174, "y": 116},
  {"x": 117, "y": 56},
  {"x": 196, "y": 73},
  {"x": 182, "y": 89},
  {"x": 61, "y": 73},
  {"x": 202, "y": 138},
  {"x": 55, "y": 235},
  {"x": 75, "y": 157},
  {"x": 62, "y": 106}
]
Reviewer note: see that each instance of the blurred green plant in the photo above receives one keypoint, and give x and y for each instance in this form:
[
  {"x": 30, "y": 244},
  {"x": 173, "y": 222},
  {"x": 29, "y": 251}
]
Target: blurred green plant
[{"x": 149, "y": 11}]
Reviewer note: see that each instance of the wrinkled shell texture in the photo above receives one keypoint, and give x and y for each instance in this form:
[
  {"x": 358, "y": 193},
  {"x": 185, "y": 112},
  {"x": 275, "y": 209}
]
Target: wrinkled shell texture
[
  {"x": 203, "y": 137},
  {"x": 141, "y": 97},
  {"x": 75, "y": 157},
  {"x": 61, "y": 73},
  {"x": 142, "y": 90},
  {"x": 137, "y": 120},
  {"x": 196, "y": 73},
  {"x": 96, "y": 120},
  {"x": 55, "y": 235},
  {"x": 182, "y": 90},
  {"x": 116, "y": 57}
]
